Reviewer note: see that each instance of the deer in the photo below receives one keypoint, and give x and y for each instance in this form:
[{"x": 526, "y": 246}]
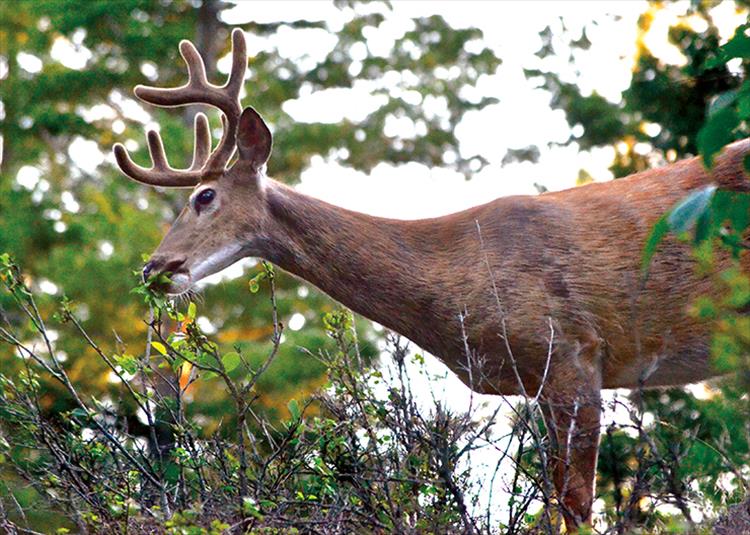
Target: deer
[{"x": 492, "y": 278}]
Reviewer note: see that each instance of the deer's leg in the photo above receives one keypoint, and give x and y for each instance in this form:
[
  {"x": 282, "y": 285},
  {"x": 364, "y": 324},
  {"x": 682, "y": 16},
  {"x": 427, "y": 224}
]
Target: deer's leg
[{"x": 572, "y": 408}]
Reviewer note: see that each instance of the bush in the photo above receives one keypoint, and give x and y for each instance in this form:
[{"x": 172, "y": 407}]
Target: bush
[{"x": 362, "y": 455}]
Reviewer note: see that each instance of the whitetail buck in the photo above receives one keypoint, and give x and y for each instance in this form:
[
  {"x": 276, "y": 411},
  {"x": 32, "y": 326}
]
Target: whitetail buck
[{"x": 512, "y": 265}]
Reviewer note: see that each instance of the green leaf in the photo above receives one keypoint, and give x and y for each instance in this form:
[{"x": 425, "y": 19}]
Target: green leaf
[
  {"x": 293, "y": 407},
  {"x": 254, "y": 282},
  {"x": 79, "y": 413},
  {"x": 205, "y": 359},
  {"x": 732, "y": 207},
  {"x": 253, "y": 285},
  {"x": 716, "y": 133},
  {"x": 685, "y": 214},
  {"x": 722, "y": 100},
  {"x": 658, "y": 232},
  {"x": 128, "y": 363},
  {"x": 695, "y": 210},
  {"x": 231, "y": 360},
  {"x": 177, "y": 363},
  {"x": 159, "y": 347},
  {"x": 192, "y": 310},
  {"x": 739, "y": 45},
  {"x": 743, "y": 101},
  {"x": 250, "y": 508},
  {"x": 704, "y": 226},
  {"x": 268, "y": 269}
]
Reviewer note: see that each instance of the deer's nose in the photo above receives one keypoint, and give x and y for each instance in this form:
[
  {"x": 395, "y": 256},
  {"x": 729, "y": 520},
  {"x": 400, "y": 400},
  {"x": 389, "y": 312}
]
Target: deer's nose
[
  {"x": 156, "y": 265},
  {"x": 147, "y": 269}
]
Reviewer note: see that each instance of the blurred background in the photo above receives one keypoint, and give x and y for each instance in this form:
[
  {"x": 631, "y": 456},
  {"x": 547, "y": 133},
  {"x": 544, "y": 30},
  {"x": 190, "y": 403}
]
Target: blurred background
[{"x": 400, "y": 109}]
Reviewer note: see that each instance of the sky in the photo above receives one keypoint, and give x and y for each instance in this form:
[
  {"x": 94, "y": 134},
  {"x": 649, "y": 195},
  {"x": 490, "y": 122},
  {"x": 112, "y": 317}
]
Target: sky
[{"x": 522, "y": 117}]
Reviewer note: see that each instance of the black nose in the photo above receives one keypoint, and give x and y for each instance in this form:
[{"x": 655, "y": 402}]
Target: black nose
[{"x": 147, "y": 269}]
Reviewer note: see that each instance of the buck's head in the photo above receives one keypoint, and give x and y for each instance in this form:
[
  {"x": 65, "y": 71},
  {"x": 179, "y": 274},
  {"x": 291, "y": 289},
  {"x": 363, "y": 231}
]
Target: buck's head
[{"x": 225, "y": 211}]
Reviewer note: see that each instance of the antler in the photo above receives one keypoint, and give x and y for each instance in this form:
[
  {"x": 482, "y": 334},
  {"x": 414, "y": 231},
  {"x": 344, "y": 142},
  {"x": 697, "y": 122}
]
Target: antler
[{"x": 196, "y": 91}]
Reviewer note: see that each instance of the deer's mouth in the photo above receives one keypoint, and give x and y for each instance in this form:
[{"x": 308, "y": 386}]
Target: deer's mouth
[
  {"x": 172, "y": 283},
  {"x": 183, "y": 279},
  {"x": 179, "y": 283}
]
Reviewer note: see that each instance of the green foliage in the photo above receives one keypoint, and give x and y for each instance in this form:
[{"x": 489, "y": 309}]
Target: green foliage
[
  {"x": 691, "y": 213},
  {"x": 729, "y": 109},
  {"x": 344, "y": 460},
  {"x": 717, "y": 132},
  {"x": 724, "y": 215},
  {"x": 709, "y": 431},
  {"x": 673, "y": 98},
  {"x": 658, "y": 233}
]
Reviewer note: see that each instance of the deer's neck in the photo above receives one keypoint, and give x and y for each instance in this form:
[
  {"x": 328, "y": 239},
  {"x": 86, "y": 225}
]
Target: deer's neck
[{"x": 374, "y": 266}]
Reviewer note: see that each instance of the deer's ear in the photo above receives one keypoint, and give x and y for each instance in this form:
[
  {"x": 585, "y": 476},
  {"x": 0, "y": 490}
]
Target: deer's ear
[{"x": 254, "y": 139}]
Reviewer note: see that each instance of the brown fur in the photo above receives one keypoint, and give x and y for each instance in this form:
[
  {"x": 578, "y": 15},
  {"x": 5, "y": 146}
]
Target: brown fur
[
  {"x": 512, "y": 266},
  {"x": 573, "y": 256}
]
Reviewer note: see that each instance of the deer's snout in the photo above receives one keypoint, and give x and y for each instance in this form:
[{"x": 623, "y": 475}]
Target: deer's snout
[{"x": 162, "y": 265}]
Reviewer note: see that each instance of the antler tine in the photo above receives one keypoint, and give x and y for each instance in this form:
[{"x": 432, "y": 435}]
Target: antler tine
[
  {"x": 161, "y": 174},
  {"x": 156, "y": 150},
  {"x": 219, "y": 159},
  {"x": 156, "y": 176},
  {"x": 239, "y": 63},
  {"x": 202, "y": 147},
  {"x": 198, "y": 90}
]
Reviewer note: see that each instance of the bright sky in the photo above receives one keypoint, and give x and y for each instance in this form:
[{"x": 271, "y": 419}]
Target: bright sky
[{"x": 521, "y": 118}]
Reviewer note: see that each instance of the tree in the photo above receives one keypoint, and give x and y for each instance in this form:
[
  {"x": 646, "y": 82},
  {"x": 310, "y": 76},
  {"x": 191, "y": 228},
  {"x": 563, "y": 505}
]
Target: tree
[{"x": 95, "y": 225}]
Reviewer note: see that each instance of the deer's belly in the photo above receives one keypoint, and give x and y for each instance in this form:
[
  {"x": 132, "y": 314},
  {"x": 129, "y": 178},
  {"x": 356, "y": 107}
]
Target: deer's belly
[{"x": 690, "y": 363}]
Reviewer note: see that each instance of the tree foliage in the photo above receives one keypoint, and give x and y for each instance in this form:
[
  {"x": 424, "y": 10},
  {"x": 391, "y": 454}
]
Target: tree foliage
[{"x": 84, "y": 228}]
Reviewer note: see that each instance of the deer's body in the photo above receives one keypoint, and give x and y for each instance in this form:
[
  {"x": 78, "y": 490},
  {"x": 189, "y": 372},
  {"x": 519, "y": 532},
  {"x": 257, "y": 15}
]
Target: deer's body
[
  {"x": 548, "y": 288},
  {"x": 573, "y": 256}
]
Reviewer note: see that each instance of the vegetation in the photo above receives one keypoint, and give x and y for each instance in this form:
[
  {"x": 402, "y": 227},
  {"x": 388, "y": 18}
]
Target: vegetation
[
  {"x": 196, "y": 433},
  {"x": 369, "y": 461}
]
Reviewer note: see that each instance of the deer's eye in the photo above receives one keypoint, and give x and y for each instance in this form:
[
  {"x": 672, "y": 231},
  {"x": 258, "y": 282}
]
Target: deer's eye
[{"x": 203, "y": 199}]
